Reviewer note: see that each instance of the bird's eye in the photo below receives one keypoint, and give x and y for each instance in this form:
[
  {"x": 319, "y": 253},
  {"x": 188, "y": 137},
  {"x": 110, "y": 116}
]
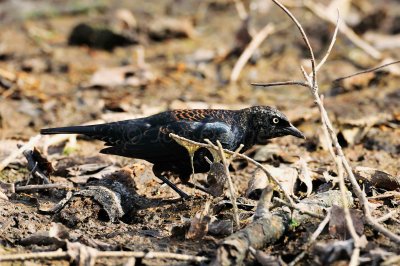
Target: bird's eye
[{"x": 275, "y": 120}]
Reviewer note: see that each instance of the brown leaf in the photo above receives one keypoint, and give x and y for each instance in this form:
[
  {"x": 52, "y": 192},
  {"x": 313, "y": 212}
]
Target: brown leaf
[
  {"x": 44, "y": 164},
  {"x": 216, "y": 179},
  {"x": 377, "y": 178},
  {"x": 338, "y": 225},
  {"x": 38, "y": 165},
  {"x": 199, "y": 224}
]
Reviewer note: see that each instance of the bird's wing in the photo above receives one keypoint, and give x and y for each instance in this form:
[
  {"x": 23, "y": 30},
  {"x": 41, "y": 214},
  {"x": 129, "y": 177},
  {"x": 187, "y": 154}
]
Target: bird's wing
[{"x": 154, "y": 143}]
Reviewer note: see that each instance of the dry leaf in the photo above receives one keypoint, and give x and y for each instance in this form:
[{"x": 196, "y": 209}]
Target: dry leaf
[
  {"x": 216, "y": 179},
  {"x": 286, "y": 175},
  {"x": 199, "y": 224},
  {"x": 256, "y": 185},
  {"x": 305, "y": 175},
  {"x": 338, "y": 226},
  {"x": 121, "y": 76},
  {"x": 377, "y": 178}
]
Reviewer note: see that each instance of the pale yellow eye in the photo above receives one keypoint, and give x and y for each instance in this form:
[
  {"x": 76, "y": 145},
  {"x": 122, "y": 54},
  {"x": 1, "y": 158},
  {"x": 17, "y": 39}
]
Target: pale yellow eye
[{"x": 275, "y": 120}]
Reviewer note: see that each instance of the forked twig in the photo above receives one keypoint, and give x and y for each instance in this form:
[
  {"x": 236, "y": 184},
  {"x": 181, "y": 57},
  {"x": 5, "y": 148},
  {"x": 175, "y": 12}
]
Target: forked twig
[
  {"x": 305, "y": 39},
  {"x": 313, "y": 86},
  {"x": 239, "y": 155},
  {"x": 328, "y": 129},
  {"x": 320, "y": 64}
]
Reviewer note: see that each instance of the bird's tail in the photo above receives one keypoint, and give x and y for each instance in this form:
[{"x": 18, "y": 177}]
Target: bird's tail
[
  {"x": 108, "y": 132},
  {"x": 84, "y": 130}
]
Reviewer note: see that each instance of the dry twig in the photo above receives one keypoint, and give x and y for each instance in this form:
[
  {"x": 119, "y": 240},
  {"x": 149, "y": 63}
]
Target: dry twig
[
  {"x": 387, "y": 216},
  {"x": 312, "y": 239},
  {"x": 64, "y": 255},
  {"x": 45, "y": 186},
  {"x": 328, "y": 52},
  {"x": 232, "y": 190},
  {"x": 319, "y": 10},
  {"x": 296, "y": 207},
  {"x": 12, "y": 156},
  {"x": 367, "y": 70},
  {"x": 280, "y": 83},
  {"x": 241, "y": 10},
  {"x": 358, "y": 243},
  {"x": 251, "y": 47}
]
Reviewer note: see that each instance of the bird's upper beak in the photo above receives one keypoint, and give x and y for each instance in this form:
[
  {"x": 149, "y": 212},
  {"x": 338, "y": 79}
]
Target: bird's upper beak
[{"x": 292, "y": 130}]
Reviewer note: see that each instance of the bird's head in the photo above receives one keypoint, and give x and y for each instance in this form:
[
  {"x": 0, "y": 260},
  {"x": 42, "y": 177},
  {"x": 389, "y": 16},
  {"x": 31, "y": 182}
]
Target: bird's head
[{"x": 270, "y": 123}]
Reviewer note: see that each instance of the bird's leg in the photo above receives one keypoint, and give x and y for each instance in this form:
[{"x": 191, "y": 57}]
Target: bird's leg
[
  {"x": 157, "y": 170},
  {"x": 196, "y": 186},
  {"x": 173, "y": 186}
]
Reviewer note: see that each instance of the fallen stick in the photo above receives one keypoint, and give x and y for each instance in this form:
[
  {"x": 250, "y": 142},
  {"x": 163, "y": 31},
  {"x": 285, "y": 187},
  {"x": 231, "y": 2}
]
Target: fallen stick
[
  {"x": 45, "y": 186},
  {"x": 270, "y": 228},
  {"x": 64, "y": 255}
]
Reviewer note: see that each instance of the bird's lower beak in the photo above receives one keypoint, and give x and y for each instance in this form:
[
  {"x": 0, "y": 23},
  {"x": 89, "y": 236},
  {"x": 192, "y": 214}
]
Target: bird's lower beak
[{"x": 292, "y": 130}]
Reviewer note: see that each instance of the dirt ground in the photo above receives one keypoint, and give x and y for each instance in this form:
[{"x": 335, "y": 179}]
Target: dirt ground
[{"x": 131, "y": 59}]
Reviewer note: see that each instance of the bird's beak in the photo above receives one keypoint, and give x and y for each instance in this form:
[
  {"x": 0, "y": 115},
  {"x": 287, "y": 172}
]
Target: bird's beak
[{"x": 292, "y": 130}]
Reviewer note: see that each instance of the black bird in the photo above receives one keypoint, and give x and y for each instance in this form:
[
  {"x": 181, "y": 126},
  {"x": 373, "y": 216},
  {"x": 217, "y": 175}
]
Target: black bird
[{"x": 148, "y": 138}]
